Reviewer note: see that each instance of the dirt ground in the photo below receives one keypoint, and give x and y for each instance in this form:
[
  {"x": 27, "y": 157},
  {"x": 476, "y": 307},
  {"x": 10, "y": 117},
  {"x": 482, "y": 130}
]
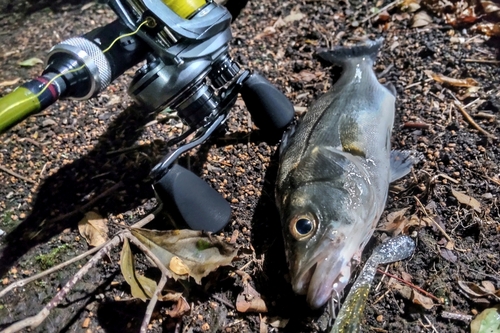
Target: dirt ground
[{"x": 74, "y": 151}]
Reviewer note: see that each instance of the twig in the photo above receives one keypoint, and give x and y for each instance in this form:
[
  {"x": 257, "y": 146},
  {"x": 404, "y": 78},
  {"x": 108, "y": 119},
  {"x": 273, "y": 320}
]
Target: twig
[
  {"x": 483, "y": 61},
  {"x": 430, "y": 323},
  {"x": 456, "y": 316},
  {"x": 471, "y": 121},
  {"x": 411, "y": 285},
  {"x": 152, "y": 304},
  {"x": 223, "y": 301},
  {"x": 435, "y": 223},
  {"x": 15, "y": 174},
  {"x": 23, "y": 282},
  {"x": 34, "y": 321},
  {"x": 124, "y": 150},
  {"x": 383, "y": 9}
]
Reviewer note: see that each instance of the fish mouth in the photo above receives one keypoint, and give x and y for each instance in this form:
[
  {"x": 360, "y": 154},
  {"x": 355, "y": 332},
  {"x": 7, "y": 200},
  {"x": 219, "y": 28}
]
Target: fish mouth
[{"x": 326, "y": 272}]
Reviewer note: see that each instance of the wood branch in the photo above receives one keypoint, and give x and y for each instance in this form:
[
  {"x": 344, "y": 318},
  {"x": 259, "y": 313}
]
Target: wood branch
[
  {"x": 35, "y": 320},
  {"x": 15, "y": 174}
]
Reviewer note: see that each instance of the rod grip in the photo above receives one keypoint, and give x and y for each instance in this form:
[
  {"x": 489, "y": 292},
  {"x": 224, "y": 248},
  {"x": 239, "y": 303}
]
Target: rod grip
[
  {"x": 189, "y": 198},
  {"x": 269, "y": 107}
]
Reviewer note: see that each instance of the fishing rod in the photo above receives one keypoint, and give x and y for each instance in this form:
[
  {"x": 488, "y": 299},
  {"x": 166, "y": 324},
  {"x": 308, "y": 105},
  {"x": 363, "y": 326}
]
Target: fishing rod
[{"x": 185, "y": 45}]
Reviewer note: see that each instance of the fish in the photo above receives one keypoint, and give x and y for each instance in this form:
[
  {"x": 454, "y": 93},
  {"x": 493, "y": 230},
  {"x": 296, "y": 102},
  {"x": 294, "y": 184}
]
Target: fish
[
  {"x": 335, "y": 167},
  {"x": 349, "y": 317}
]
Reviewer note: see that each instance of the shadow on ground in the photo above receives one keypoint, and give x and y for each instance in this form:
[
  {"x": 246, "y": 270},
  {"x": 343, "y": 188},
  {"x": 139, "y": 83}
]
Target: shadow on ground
[{"x": 75, "y": 184}]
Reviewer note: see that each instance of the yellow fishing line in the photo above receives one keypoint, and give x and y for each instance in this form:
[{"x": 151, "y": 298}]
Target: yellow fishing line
[{"x": 148, "y": 21}]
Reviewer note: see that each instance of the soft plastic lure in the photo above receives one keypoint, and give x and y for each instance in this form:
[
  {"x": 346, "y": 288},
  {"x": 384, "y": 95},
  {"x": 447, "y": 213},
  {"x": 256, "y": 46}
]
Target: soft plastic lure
[{"x": 349, "y": 317}]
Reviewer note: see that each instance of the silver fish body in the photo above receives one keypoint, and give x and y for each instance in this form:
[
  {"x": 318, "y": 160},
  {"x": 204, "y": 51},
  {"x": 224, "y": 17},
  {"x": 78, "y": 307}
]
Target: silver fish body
[{"x": 334, "y": 174}]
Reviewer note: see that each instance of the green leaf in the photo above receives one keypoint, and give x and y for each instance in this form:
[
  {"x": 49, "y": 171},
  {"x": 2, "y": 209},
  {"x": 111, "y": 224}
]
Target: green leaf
[
  {"x": 140, "y": 286},
  {"x": 30, "y": 62},
  {"x": 487, "y": 321},
  {"x": 199, "y": 251}
]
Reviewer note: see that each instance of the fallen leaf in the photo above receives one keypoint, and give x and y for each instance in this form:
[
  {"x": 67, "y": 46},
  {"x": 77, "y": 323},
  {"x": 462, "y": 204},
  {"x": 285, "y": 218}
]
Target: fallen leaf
[
  {"x": 406, "y": 276},
  {"x": 488, "y": 28},
  {"x": 93, "y": 227},
  {"x": 140, "y": 286},
  {"x": 177, "y": 266},
  {"x": 278, "y": 322},
  {"x": 467, "y": 200},
  {"x": 170, "y": 297},
  {"x": 480, "y": 294},
  {"x": 490, "y": 7},
  {"x": 250, "y": 301},
  {"x": 448, "y": 255},
  {"x": 403, "y": 290},
  {"x": 488, "y": 286},
  {"x": 9, "y": 82},
  {"x": 30, "y": 62},
  {"x": 201, "y": 252},
  {"x": 179, "y": 309},
  {"x": 295, "y": 15},
  {"x": 394, "y": 222},
  {"x": 487, "y": 321},
  {"x": 424, "y": 301},
  {"x": 421, "y": 19}
]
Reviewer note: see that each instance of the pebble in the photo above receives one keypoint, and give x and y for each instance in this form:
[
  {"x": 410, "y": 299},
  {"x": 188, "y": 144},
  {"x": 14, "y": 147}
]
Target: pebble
[{"x": 2, "y": 232}]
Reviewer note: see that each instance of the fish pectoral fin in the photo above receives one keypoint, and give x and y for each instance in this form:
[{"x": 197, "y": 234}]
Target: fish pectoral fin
[
  {"x": 285, "y": 139},
  {"x": 322, "y": 163},
  {"x": 401, "y": 163},
  {"x": 350, "y": 135},
  {"x": 391, "y": 88}
]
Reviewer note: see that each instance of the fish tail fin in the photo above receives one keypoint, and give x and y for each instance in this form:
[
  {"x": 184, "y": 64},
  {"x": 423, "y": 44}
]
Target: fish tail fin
[
  {"x": 401, "y": 163},
  {"x": 344, "y": 54}
]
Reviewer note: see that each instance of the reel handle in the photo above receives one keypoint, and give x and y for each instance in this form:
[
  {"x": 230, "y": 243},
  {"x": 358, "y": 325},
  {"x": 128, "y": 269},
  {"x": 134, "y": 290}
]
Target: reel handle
[
  {"x": 189, "y": 198},
  {"x": 271, "y": 110}
]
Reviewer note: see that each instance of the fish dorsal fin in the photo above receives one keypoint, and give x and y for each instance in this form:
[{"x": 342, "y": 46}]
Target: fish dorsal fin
[
  {"x": 350, "y": 134},
  {"x": 343, "y": 54},
  {"x": 401, "y": 163}
]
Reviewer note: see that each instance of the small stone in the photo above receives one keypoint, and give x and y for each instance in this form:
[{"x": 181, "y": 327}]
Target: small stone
[
  {"x": 86, "y": 323},
  {"x": 205, "y": 327},
  {"x": 5, "y": 281},
  {"x": 380, "y": 318}
]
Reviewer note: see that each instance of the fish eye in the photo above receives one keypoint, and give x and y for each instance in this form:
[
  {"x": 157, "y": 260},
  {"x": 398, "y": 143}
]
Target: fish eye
[{"x": 302, "y": 227}]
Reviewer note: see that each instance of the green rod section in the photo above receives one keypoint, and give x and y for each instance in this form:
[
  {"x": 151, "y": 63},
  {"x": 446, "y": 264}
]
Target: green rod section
[{"x": 16, "y": 106}]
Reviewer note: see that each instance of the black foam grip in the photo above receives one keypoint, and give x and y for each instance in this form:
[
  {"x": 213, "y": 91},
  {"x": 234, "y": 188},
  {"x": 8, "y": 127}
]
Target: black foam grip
[
  {"x": 190, "y": 198},
  {"x": 270, "y": 108}
]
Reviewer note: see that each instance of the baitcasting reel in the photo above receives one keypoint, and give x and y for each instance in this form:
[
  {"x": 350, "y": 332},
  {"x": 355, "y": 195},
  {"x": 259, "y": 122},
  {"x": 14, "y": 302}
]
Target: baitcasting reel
[{"x": 188, "y": 69}]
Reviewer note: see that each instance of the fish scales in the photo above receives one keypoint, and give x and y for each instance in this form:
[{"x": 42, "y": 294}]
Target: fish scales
[{"x": 334, "y": 174}]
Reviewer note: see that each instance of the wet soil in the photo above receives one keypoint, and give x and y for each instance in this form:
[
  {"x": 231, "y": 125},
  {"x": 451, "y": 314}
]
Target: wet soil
[{"x": 73, "y": 151}]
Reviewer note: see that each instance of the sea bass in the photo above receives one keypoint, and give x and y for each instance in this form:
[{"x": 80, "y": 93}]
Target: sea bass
[{"x": 334, "y": 174}]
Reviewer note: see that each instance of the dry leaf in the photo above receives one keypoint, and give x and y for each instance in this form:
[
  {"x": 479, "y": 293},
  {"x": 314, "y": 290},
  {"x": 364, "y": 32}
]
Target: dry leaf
[
  {"x": 488, "y": 28},
  {"x": 179, "y": 309},
  {"x": 394, "y": 222},
  {"x": 178, "y": 267},
  {"x": 421, "y": 19},
  {"x": 490, "y": 7},
  {"x": 278, "y": 322},
  {"x": 250, "y": 301},
  {"x": 294, "y": 16},
  {"x": 94, "y": 228},
  {"x": 406, "y": 276},
  {"x": 140, "y": 286},
  {"x": 9, "y": 82},
  {"x": 201, "y": 252},
  {"x": 467, "y": 200},
  {"x": 422, "y": 300},
  {"x": 30, "y": 62},
  {"x": 448, "y": 255}
]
